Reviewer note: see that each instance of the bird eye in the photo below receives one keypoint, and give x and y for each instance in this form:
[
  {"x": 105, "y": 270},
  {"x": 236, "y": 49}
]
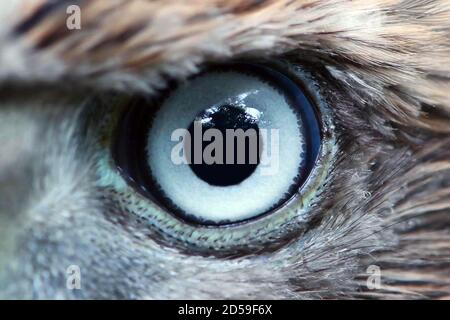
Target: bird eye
[{"x": 231, "y": 144}]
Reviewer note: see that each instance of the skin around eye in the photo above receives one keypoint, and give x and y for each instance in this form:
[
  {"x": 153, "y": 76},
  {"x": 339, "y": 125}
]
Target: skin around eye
[
  {"x": 132, "y": 139},
  {"x": 228, "y": 145}
]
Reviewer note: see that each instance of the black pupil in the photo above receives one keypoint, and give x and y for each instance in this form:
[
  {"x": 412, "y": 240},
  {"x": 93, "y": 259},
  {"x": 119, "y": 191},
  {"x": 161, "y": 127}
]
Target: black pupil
[{"x": 234, "y": 167}]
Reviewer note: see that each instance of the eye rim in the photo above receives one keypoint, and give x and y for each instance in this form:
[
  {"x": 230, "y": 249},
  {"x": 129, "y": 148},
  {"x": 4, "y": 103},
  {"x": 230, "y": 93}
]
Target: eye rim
[
  {"x": 138, "y": 114},
  {"x": 267, "y": 233}
]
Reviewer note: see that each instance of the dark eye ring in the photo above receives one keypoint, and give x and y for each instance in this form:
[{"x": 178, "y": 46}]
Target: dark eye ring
[{"x": 219, "y": 178}]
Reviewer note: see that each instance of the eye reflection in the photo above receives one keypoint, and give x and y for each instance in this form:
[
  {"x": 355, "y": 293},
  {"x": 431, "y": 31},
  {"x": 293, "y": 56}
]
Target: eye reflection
[{"x": 229, "y": 145}]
